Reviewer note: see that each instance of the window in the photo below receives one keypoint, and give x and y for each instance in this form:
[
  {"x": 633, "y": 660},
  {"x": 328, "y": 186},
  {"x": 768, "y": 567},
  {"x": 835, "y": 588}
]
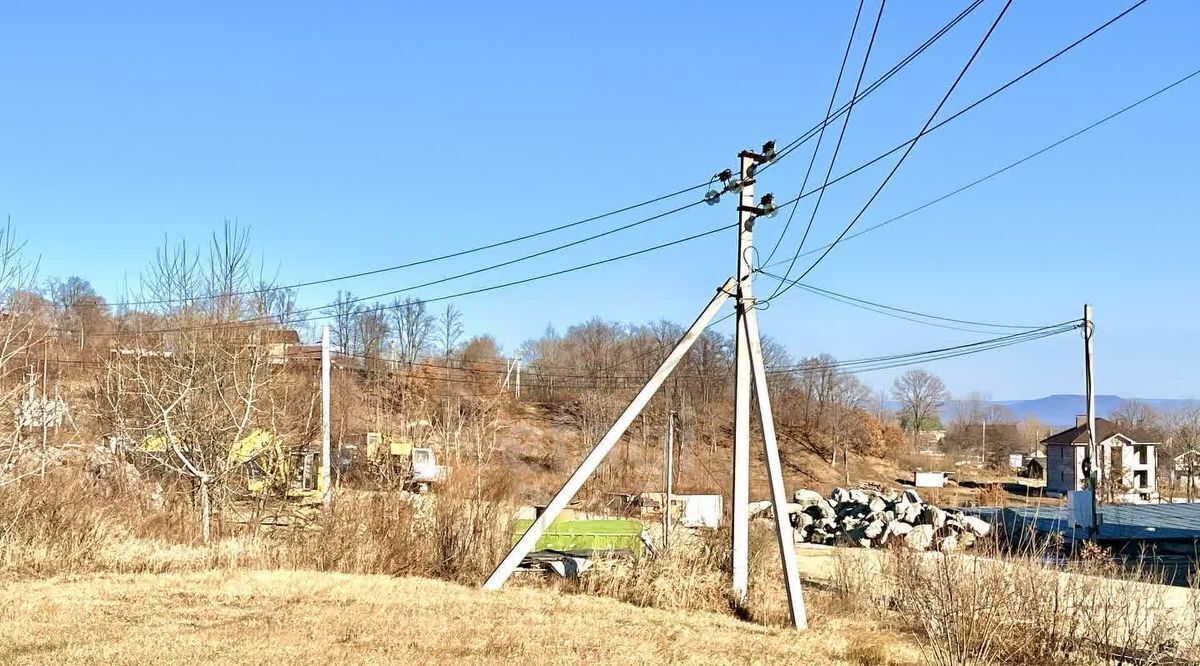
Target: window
[
  {"x": 1143, "y": 454},
  {"x": 1141, "y": 479}
]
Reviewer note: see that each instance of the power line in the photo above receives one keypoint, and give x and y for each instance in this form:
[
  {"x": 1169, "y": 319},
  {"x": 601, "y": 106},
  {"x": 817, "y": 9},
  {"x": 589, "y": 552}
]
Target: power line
[
  {"x": 907, "y": 152},
  {"x": 875, "y": 85},
  {"x": 837, "y": 84},
  {"x": 421, "y": 262},
  {"x": 1055, "y": 144},
  {"x": 892, "y": 310},
  {"x": 489, "y": 246},
  {"x": 958, "y": 114},
  {"x": 913, "y": 358},
  {"x": 791, "y": 146},
  {"x": 557, "y": 248},
  {"x": 833, "y": 159},
  {"x": 292, "y": 318},
  {"x": 687, "y": 239},
  {"x": 1006, "y": 168}
]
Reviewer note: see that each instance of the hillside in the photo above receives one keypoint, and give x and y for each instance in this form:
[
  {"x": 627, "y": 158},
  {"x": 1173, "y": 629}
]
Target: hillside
[
  {"x": 539, "y": 447},
  {"x": 289, "y": 617}
]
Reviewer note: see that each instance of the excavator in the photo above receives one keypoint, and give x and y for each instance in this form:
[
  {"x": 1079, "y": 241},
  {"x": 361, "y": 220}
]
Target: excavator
[
  {"x": 415, "y": 466},
  {"x": 266, "y": 463}
]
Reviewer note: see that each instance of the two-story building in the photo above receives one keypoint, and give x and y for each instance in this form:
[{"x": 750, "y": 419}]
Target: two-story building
[{"x": 1126, "y": 469}]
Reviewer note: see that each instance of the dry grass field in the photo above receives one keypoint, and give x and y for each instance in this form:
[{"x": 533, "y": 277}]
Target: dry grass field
[{"x": 300, "y": 617}]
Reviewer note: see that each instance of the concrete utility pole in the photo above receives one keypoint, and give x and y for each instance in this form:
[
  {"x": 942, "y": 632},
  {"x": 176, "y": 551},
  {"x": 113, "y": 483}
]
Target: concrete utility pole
[
  {"x": 984, "y": 460},
  {"x": 669, "y": 480},
  {"x": 741, "y": 402},
  {"x": 45, "y": 426},
  {"x": 326, "y": 467},
  {"x": 513, "y": 368},
  {"x": 1091, "y": 461},
  {"x": 750, "y": 365}
]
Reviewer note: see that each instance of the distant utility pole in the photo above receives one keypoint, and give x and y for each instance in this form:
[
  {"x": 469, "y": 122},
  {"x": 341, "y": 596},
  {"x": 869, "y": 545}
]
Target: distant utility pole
[
  {"x": 984, "y": 459},
  {"x": 512, "y": 377},
  {"x": 749, "y": 366},
  {"x": 326, "y": 467},
  {"x": 1092, "y": 461},
  {"x": 670, "y": 470},
  {"x": 45, "y": 425}
]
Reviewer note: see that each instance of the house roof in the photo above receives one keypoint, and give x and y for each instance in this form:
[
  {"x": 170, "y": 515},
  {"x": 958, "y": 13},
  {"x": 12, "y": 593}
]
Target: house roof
[
  {"x": 1104, "y": 430},
  {"x": 1079, "y": 434}
]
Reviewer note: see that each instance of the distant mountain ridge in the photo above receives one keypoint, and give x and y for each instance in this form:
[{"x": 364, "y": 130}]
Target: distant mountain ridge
[{"x": 1060, "y": 410}]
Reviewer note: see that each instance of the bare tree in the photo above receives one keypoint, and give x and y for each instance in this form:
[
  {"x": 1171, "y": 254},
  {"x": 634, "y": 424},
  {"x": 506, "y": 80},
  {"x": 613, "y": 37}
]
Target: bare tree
[
  {"x": 920, "y": 394},
  {"x": 371, "y": 331},
  {"x": 969, "y": 409},
  {"x": 450, "y": 330},
  {"x": 1138, "y": 415},
  {"x": 182, "y": 396},
  {"x": 280, "y": 303},
  {"x": 80, "y": 309},
  {"x": 22, "y": 328},
  {"x": 342, "y": 311},
  {"x": 413, "y": 327}
]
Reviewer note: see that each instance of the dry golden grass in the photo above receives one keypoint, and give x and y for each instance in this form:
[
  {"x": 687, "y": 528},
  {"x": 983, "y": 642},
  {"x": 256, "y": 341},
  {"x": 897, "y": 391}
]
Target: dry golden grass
[{"x": 280, "y": 617}]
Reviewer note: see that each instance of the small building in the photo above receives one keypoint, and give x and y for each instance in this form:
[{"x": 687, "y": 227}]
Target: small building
[
  {"x": 1125, "y": 471},
  {"x": 1185, "y": 469},
  {"x": 1034, "y": 467},
  {"x": 930, "y": 479}
]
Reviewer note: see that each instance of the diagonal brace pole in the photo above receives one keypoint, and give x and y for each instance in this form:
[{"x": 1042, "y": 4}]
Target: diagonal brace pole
[
  {"x": 783, "y": 522},
  {"x": 593, "y": 459}
]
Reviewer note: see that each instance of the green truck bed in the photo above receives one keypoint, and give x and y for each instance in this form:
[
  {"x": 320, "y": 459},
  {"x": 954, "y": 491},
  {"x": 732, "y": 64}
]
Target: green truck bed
[{"x": 567, "y": 535}]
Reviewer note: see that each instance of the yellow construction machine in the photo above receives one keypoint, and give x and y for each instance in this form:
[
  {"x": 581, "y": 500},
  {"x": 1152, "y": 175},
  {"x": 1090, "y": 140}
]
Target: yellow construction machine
[
  {"x": 266, "y": 463},
  {"x": 415, "y": 466}
]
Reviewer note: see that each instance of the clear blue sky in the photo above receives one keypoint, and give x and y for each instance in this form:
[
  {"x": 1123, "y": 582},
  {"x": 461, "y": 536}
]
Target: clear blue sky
[{"x": 359, "y": 135}]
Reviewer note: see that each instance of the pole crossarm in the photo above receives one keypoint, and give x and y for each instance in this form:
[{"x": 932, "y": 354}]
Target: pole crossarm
[{"x": 589, "y": 465}]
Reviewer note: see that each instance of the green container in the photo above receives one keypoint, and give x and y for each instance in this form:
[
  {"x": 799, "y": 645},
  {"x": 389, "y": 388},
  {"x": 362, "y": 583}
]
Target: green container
[{"x": 604, "y": 534}]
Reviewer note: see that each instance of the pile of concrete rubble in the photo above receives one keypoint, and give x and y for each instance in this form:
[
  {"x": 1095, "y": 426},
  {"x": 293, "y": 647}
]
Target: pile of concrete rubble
[{"x": 872, "y": 519}]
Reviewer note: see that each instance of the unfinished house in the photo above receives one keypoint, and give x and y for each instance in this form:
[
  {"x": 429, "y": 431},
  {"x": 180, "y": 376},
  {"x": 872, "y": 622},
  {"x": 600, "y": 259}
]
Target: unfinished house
[
  {"x": 1126, "y": 466},
  {"x": 1185, "y": 470}
]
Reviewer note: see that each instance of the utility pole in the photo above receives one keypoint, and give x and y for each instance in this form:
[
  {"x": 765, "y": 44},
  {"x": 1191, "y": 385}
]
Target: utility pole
[
  {"x": 326, "y": 467},
  {"x": 45, "y": 365},
  {"x": 741, "y": 402},
  {"x": 984, "y": 459},
  {"x": 1091, "y": 460},
  {"x": 508, "y": 372},
  {"x": 750, "y": 366},
  {"x": 518, "y": 391},
  {"x": 670, "y": 479}
]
